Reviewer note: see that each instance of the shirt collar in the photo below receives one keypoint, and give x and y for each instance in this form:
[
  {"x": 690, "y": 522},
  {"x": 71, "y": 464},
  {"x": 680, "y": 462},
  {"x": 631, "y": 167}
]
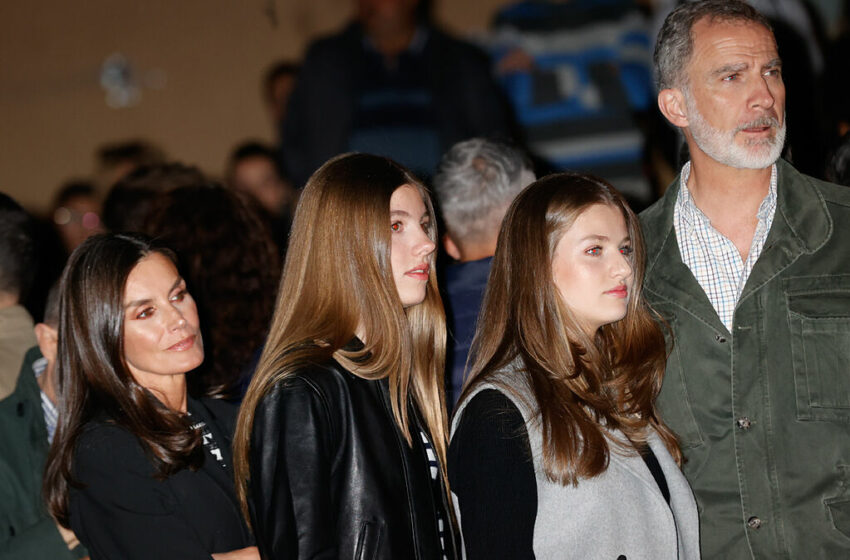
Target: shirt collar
[{"x": 690, "y": 213}]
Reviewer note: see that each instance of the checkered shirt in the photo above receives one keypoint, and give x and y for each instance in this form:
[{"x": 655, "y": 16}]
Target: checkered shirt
[{"x": 713, "y": 259}]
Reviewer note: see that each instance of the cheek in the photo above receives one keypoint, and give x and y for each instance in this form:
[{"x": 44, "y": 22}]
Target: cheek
[{"x": 140, "y": 342}]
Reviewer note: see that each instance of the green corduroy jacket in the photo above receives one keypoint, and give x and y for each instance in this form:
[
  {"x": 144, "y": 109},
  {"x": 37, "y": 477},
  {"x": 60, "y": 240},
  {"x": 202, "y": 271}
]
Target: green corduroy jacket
[{"x": 763, "y": 412}]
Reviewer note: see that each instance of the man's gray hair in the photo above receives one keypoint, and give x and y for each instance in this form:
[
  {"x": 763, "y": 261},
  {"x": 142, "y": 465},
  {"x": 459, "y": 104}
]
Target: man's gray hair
[
  {"x": 476, "y": 181},
  {"x": 675, "y": 43}
]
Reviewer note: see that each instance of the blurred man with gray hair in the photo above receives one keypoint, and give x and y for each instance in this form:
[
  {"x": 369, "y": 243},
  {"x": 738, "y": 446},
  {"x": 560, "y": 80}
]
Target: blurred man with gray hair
[{"x": 475, "y": 183}]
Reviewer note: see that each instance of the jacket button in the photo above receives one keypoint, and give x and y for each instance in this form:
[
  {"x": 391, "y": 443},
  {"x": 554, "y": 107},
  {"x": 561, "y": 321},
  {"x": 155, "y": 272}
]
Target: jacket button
[
  {"x": 753, "y": 522},
  {"x": 20, "y": 409},
  {"x": 622, "y": 557},
  {"x": 744, "y": 423},
  {"x": 11, "y": 530},
  {"x": 720, "y": 339}
]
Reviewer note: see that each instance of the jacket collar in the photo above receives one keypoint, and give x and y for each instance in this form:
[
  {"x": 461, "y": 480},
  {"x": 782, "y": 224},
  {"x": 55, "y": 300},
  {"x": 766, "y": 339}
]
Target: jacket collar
[{"x": 802, "y": 225}]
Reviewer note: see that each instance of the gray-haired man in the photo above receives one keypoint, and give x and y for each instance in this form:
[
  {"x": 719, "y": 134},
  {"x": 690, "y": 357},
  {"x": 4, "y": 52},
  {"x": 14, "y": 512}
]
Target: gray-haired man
[
  {"x": 749, "y": 263},
  {"x": 475, "y": 183}
]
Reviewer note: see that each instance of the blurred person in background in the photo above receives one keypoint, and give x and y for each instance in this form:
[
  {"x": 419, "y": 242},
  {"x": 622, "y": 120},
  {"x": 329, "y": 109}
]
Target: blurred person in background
[
  {"x": 253, "y": 169},
  {"x": 115, "y": 160},
  {"x": 27, "y": 531},
  {"x": 579, "y": 77},
  {"x": 278, "y": 83},
  {"x": 231, "y": 267},
  {"x": 130, "y": 200},
  {"x": 391, "y": 83},
  {"x": 76, "y": 213},
  {"x": 475, "y": 183}
]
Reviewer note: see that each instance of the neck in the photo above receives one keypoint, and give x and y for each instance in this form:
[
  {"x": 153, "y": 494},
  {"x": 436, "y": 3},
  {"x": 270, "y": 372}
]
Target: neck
[
  {"x": 729, "y": 197},
  {"x": 47, "y": 382},
  {"x": 477, "y": 251},
  {"x": 170, "y": 390},
  {"x": 726, "y": 193},
  {"x": 7, "y": 300}
]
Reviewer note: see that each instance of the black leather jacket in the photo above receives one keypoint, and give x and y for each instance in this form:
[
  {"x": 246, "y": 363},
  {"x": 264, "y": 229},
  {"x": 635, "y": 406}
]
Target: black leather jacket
[{"x": 332, "y": 476}]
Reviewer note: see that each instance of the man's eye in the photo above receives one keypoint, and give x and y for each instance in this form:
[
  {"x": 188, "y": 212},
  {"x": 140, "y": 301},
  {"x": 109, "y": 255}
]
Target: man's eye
[
  {"x": 730, "y": 78},
  {"x": 594, "y": 251},
  {"x": 396, "y": 227}
]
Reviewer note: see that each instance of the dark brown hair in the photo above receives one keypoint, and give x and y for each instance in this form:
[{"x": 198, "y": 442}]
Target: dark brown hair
[
  {"x": 338, "y": 276},
  {"x": 231, "y": 267},
  {"x": 94, "y": 380},
  {"x": 578, "y": 383}
]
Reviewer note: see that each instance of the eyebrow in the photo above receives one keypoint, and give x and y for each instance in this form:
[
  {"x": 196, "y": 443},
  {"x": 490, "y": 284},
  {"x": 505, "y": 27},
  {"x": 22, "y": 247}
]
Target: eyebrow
[
  {"x": 774, "y": 63},
  {"x": 138, "y": 302},
  {"x": 595, "y": 237},
  {"x": 425, "y": 214},
  {"x": 725, "y": 69}
]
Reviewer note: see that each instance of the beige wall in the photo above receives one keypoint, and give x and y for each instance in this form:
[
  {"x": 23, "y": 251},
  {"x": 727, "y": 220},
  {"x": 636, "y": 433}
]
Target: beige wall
[{"x": 212, "y": 54}]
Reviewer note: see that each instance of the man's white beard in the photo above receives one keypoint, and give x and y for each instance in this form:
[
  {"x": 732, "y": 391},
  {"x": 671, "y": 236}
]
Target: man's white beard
[{"x": 720, "y": 145}]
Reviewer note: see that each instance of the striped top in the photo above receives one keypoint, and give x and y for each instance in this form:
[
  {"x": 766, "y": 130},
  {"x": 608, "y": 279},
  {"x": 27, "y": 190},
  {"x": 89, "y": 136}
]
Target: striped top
[
  {"x": 51, "y": 413},
  {"x": 713, "y": 259},
  {"x": 434, "y": 468}
]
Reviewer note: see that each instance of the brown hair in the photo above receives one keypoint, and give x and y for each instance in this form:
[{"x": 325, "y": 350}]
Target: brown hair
[
  {"x": 93, "y": 376},
  {"x": 231, "y": 267},
  {"x": 578, "y": 383},
  {"x": 338, "y": 276}
]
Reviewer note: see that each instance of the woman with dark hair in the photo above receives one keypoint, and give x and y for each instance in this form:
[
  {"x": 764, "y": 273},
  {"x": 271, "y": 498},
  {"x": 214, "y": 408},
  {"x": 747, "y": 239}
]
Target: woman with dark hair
[
  {"x": 557, "y": 450},
  {"x": 137, "y": 468},
  {"x": 232, "y": 267},
  {"x": 341, "y": 439}
]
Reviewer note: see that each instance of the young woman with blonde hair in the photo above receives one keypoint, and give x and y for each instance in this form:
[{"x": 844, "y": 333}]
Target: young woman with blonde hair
[
  {"x": 341, "y": 439},
  {"x": 557, "y": 450}
]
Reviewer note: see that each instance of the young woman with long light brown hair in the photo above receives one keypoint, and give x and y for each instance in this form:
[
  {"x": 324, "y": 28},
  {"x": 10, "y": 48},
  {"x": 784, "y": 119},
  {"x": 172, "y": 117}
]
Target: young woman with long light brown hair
[
  {"x": 557, "y": 450},
  {"x": 341, "y": 440}
]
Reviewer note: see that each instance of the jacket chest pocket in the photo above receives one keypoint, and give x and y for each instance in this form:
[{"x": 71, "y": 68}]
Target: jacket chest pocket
[{"x": 819, "y": 319}]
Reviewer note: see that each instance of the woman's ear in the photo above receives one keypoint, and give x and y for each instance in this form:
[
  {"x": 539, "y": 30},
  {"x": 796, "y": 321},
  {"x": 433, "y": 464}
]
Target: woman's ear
[{"x": 671, "y": 102}]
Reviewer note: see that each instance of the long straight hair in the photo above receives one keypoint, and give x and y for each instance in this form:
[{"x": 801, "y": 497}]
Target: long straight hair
[
  {"x": 93, "y": 376},
  {"x": 582, "y": 386},
  {"x": 338, "y": 277}
]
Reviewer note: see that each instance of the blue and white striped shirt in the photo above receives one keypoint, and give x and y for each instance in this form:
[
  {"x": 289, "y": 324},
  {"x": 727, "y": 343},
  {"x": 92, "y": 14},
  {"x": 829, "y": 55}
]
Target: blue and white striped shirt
[{"x": 713, "y": 259}]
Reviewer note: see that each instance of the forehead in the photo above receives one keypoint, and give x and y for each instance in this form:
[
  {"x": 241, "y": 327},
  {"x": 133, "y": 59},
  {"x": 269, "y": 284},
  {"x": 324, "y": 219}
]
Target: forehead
[
  {"x": 407, "y": 199},
  {"x": 150, "y": 274},
  {"x": 601, "y": 220},
  {"x": 718, "y": 43}
]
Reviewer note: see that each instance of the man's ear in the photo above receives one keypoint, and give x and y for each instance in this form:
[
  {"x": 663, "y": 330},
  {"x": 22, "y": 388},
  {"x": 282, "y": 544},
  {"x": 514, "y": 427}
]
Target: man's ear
[
  {"x": 671, "y": 102},
  {"x": 450, "y": 247},
  {"x": 47, "y": 340}
]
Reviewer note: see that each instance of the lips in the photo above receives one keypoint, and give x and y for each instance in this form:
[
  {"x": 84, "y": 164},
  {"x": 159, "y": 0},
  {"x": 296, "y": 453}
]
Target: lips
[
  {"x": 183, "y": 345},
  {"x": 619, "y": 292},
  {"x": 419, "y": 273}
]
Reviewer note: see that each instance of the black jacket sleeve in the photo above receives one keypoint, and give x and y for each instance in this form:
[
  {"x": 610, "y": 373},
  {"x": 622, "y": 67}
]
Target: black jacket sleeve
[
  {"x": 491, "y": 472},
  {"x": 290, "y": 489}
]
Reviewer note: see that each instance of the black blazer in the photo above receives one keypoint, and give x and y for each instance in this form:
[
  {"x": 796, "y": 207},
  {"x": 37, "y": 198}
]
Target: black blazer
[
  {"x": 333, "y": 477},
  {"x": 122, "y": 512}
]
